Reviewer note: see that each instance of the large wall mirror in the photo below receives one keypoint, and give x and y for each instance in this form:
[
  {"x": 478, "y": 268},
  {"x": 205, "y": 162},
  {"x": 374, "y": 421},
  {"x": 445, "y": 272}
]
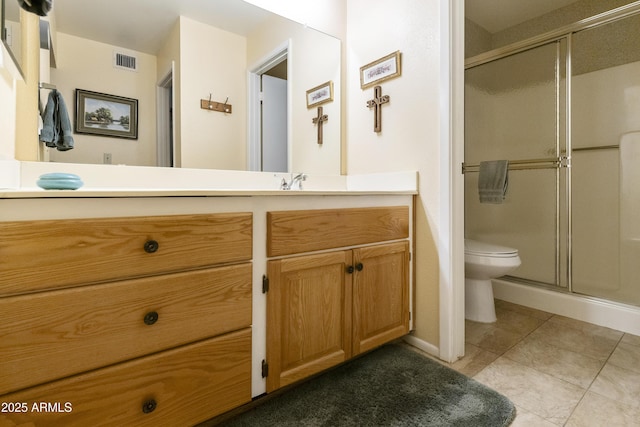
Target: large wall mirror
[
  {"x": 170, "y": 55},
  {"x": 10, "y": 32}
]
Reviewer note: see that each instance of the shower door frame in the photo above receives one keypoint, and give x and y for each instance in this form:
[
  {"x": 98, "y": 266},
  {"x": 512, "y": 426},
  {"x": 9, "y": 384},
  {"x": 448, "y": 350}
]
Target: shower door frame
[
  {"x": 559, "y": 48},
  {"x": 562, "y": 161}
]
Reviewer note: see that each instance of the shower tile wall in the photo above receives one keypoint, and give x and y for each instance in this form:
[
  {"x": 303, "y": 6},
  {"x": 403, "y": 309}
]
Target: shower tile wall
[
  {"x": 605, "y": 106},
  {"x": 599, "y": 119}
]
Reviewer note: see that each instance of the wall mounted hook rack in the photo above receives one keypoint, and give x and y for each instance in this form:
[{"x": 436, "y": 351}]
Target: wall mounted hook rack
[{"x": 222, "y": 107}]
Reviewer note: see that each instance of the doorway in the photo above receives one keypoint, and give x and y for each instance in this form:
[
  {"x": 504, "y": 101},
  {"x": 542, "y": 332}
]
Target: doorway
[
  {"x": 165, "y": 149},
  {"x": 274, "y": 145},
  {"x": 269, "y": 100}
]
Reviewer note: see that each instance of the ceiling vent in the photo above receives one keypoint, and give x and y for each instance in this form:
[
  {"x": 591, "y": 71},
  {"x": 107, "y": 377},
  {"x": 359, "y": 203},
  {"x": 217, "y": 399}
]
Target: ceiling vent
[{"x": 125, "y": 61}]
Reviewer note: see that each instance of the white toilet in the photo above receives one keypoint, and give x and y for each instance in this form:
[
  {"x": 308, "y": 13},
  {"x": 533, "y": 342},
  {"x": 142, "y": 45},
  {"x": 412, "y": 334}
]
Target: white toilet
[{"x": 483, "y": 262}]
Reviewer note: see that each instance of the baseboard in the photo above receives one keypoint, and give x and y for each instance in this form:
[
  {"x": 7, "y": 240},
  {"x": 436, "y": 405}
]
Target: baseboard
[
  {"x": 617, "y": 316},
  {"x": 422, "y": 345}
]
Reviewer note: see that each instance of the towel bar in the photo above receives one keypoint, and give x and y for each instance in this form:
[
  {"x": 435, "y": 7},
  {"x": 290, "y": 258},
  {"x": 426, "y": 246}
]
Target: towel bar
[
  {"x": 597, "y": 147},
  {"x": 553, "y": 163}
]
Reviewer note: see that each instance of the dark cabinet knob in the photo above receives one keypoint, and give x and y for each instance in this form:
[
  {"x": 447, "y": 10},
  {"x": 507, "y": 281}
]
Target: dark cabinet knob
[
  {"x": 150, "y": 318},
  {"x": 149, "y": 406},
  {"x": 350, "y": 269},
  {"x": 151, "y": 246},
  {"x": 359, "y": 266}
]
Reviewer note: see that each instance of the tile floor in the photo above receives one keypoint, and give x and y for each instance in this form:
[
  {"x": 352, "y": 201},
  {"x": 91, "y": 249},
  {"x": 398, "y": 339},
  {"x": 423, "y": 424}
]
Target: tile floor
[{"x": 557, "y": 371}]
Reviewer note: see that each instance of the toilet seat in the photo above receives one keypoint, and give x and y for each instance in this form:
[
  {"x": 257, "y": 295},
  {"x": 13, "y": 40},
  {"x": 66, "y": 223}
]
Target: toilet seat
[{"x": 483, "y": 249}]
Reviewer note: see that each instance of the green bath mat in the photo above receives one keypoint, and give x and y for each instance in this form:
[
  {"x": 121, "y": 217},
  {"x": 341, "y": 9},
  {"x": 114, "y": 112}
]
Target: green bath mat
[{"x": 391, "y": 386}]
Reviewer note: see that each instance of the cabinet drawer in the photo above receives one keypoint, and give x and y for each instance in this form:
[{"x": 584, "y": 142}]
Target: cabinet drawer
[
  {"x": 183, "y": 386},
  {"x": 36, "y": 255},
  {"x": 51, "y": 335},
  {"x": 291, "y": 232}
]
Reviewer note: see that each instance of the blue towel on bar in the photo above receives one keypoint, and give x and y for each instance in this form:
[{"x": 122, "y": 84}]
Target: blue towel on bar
[{"x": 493, "y": 181}]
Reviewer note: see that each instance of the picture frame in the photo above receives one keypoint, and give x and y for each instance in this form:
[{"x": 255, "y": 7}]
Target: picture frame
[
  {"x": 320, "y": 94},
  {"x": 106, "y": 115},
  {"x": 385, "y": 68}
]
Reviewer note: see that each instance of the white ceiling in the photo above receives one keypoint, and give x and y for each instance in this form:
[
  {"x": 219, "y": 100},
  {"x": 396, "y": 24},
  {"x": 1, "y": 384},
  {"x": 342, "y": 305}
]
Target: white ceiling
[
  {"x": 142, "y": 25},
  {"x": 496, "y": 15}
]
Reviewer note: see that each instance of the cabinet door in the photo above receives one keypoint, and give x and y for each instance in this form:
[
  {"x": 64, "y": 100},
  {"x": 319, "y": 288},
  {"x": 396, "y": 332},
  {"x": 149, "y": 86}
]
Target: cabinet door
[
  {"x": 380, "y": 295},
  {"x": 308, "y": 316}
]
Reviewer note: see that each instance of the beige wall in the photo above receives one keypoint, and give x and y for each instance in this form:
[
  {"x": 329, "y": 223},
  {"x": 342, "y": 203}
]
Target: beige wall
[
  {"x": 314, "y": 58},
  {"x": 13, "y": 27},
  {"x": 410, "y": 137},
  {"x": 328, "y": 16},
  {"x": 7, "y": 115},
  {"x": 27, "y": 89},
  {"x": 86, "y": 64},
  {"x": 212, "y": 61}
]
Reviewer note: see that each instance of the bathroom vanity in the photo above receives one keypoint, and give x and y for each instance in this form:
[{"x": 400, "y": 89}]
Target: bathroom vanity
[
  {"x": 324, "y": 308},
  {"x": 112, "y": 319},
  {"x": 128, "y": 306}
]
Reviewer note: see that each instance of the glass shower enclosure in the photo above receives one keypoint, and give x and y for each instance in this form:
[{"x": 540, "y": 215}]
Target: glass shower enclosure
[{"x": 564, "y": 110}]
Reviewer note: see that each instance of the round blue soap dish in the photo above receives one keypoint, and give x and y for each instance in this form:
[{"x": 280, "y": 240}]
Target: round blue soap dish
[{"x": 59, "y": 181}]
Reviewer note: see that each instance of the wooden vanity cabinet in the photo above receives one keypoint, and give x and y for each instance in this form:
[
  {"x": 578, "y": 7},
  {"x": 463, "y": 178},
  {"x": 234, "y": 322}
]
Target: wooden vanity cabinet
[
  {"x": 110, "y": 331},
  {"x": 324, "y": 308},
  {"x": 380, "y": 295},
  {"x": 308, "y": 316}
]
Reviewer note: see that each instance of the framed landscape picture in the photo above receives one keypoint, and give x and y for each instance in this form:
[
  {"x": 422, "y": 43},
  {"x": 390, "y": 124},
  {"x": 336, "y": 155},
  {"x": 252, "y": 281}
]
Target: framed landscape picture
[{"x": 106, "y": 115}]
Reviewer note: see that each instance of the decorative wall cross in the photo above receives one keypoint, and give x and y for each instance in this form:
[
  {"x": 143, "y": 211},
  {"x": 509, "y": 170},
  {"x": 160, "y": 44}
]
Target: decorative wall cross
[
  {"x": 376, "y": 103},
  {"x": 319, "y": 120}
]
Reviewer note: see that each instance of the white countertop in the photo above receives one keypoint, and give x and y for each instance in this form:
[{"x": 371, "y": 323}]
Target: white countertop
[
  {"x": 19, "y": 180},
  {"x": 183, "y": 192}
]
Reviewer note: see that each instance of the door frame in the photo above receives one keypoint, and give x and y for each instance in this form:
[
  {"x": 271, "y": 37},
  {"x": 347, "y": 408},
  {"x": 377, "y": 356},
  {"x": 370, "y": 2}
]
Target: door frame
[
  {"x": 452, "y": 280},
  {"x": 166, "y": 138},
  {"x": 254, "y": 122}
]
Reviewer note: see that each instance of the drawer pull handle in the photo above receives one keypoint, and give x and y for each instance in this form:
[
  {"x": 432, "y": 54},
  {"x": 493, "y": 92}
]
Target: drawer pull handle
[
  {"x": 149, "y": 406},
  {"x": 359, "y": 266},
  {"x": 150, "y": 318},
  {"x": 151, "y": 246},
  {"x": 350, "y": 269}
]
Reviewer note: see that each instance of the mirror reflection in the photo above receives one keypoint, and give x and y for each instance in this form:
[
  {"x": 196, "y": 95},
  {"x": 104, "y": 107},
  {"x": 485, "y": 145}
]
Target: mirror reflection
[
  {"x": 173, "y": 57},
  {"x": 11, "y": 33}
]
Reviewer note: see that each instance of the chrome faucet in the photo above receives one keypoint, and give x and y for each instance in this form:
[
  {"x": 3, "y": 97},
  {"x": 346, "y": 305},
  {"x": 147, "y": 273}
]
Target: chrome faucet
[{"x": 294, "y": 180}]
